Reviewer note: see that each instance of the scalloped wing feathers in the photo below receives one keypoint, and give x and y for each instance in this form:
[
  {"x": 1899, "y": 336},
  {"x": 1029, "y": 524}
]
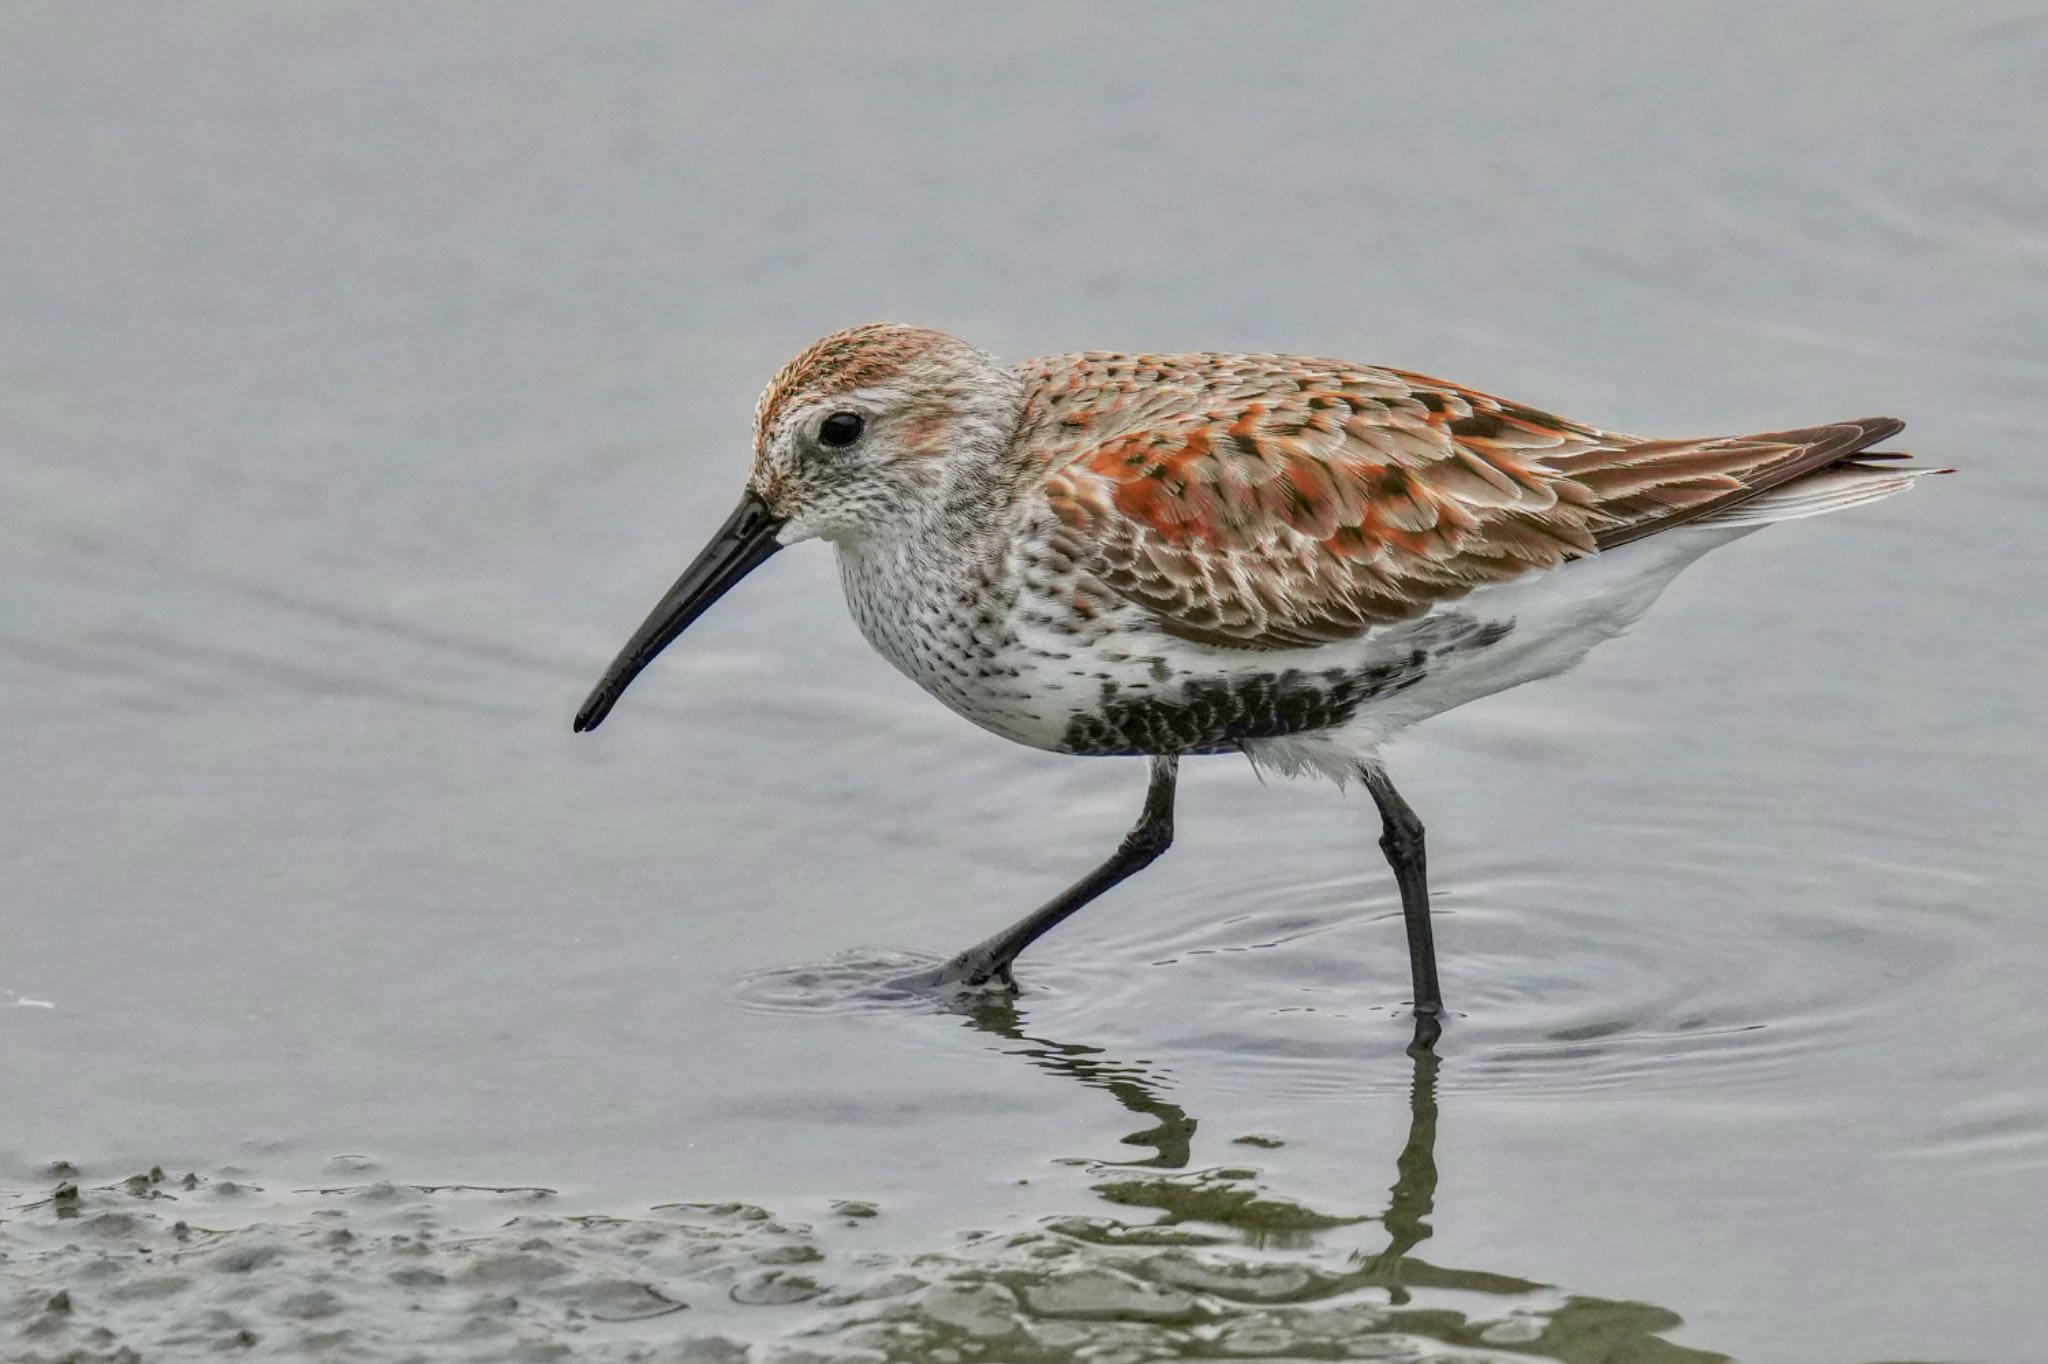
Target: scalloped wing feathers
[{"x": 1273, "y": 502}]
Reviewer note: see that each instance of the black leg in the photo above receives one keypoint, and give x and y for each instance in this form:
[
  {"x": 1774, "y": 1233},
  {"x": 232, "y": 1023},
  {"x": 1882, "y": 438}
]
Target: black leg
[
  {"x": 1152, "y": 835},
  {"x": 1401, "y": 841}
]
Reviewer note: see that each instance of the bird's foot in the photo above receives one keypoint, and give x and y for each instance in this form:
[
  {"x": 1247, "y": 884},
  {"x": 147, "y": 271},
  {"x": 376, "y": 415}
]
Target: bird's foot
[
  {"x": 972, "y": 972},
  {"x": 1428, "y": 1028}
]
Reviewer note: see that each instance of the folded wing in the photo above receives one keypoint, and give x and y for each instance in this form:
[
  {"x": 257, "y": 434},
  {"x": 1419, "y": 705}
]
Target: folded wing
[{"x": 1273, "y": 502}]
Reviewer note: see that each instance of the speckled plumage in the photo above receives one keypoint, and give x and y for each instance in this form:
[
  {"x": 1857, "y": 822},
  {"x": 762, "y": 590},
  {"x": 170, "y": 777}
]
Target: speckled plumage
[
  {"x": 1095, "y": 553},
  {"x": 1169, "y": 555}
]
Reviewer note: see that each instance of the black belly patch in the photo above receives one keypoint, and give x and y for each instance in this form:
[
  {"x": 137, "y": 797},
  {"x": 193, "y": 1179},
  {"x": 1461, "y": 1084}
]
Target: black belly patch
[{"x": 1216, "y": 715}]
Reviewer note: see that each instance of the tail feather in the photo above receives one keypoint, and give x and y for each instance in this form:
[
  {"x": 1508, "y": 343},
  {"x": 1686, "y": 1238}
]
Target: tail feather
[
  {"x": 1744, "y": 480},
  {"x": 1826, "y": 490}
]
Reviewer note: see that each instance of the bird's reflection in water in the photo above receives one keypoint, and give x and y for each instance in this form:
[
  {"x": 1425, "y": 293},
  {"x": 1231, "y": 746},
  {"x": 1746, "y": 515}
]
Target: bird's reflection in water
[
  {"x": 1413, "y": 1195},
  {"x": 1130, "y": 1084},
  {"x": 1306, "y": 1305}
]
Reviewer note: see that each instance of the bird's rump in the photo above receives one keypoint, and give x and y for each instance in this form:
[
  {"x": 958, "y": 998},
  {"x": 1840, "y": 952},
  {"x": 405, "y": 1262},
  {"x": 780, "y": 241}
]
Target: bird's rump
[{"x": 1272, "y": 502}]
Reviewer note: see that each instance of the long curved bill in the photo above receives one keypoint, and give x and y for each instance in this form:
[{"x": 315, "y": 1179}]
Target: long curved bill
[{"x": 742, "y": 544}]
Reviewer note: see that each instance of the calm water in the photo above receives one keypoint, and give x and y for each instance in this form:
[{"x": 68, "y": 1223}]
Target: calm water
[{"x": 365, "y": 374}]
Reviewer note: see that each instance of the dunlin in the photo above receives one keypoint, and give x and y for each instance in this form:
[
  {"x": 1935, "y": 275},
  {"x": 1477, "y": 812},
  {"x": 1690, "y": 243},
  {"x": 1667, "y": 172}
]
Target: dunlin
[{"x": 1274, "y": 555}]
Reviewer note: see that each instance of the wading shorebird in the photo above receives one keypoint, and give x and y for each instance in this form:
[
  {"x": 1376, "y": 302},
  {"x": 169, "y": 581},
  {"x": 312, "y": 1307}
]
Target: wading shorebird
[{"x": 1280, "y": 556}]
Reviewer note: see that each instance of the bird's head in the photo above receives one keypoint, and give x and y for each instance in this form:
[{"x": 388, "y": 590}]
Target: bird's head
[
  {"x": 856, "y": 438},
  {"x": 863, "y": 426}
]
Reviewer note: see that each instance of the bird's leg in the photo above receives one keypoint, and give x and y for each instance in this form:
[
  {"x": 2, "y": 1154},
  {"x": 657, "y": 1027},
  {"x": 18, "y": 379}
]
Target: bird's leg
[
  {"x": 1151, "y": 836},
  {"x": 1401, "y": 841}
]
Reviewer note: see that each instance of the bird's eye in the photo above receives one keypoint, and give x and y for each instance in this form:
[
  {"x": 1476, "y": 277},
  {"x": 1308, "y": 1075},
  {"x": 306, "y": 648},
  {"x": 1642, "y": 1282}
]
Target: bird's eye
[{"x": 841, "y": 429}]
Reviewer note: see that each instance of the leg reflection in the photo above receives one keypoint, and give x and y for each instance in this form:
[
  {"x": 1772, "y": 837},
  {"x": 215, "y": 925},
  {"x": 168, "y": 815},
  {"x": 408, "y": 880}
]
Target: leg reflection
[
  {"x": 1279, "y": 1303},
  {"x": 1413, "y": 1195},
  {"x": 1129, "y": 1084}
]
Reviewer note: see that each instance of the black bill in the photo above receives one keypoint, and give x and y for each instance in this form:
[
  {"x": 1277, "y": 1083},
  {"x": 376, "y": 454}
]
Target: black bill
[{"x": 741, "y": 545}]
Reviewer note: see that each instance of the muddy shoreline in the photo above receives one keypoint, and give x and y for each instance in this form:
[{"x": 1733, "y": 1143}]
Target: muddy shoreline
[{"x": 163, "y": 1266}]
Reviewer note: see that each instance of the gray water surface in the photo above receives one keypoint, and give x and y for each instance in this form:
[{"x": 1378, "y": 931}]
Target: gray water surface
[{"x": 365, "y": 373}]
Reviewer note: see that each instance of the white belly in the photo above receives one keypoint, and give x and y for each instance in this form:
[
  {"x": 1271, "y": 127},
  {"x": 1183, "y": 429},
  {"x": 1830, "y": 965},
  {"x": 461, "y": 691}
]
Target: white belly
[
  {"x": 1122, "y": 686},
  {"x": 1554, "y": 619}
]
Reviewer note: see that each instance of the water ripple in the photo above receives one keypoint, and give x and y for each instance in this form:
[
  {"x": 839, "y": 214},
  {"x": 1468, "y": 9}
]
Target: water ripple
[{"x": 1559, "y": 984}]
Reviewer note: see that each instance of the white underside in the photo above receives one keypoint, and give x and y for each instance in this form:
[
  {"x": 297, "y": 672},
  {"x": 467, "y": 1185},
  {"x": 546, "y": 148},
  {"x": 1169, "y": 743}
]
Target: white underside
[
  {"x": 1471, "y": 646},
  {"x": 1555, "y": 618},
  {"x": 1558, "y": 617}
]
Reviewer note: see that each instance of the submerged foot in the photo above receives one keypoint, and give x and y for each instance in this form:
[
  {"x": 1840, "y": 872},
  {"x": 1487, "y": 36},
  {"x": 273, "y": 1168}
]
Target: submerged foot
[
  {"x": 972, "y": 972},
  {"x": 1428, "y": 1028}
]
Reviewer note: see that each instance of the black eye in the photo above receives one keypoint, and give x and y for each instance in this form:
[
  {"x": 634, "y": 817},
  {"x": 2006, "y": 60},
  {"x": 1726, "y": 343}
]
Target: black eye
[{"x": 841, "y": 429}]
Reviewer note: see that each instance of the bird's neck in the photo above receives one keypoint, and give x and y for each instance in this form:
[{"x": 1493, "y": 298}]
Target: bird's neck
[
  {"x": 933, "y": 591},
  {"x": 961, "y": 502}
]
